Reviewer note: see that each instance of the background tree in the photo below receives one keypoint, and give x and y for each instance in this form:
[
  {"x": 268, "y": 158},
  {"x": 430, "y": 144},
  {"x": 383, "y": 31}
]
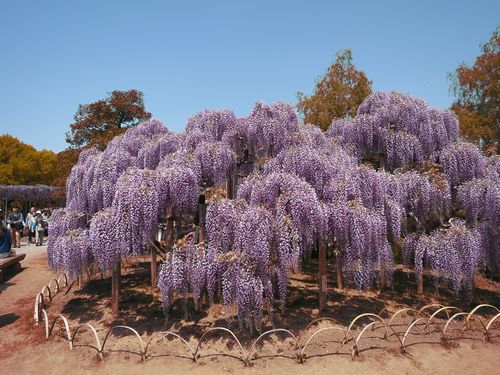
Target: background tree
[
  {"x": 22, "y": 164},
  {"x": 337, "y": 94},
  {"x": 97, "y": 123},
  {"x": 477, "y": 89},
  {"x": 65, "y": 161}
]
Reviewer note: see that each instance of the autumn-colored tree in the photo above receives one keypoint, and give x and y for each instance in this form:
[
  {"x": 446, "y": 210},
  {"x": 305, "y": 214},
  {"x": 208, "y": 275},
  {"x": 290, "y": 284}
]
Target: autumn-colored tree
[
  {"x": 22, "y": 164},
  {"x": 97, "y": 123},
  {"x": 337, "y": 94},
  {"x": 477, "y": 89},
  {"x": 65, "y": 161}
]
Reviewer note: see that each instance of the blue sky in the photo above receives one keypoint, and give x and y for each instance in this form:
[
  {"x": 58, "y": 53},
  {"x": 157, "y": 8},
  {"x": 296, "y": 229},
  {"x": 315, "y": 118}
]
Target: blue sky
[{"x": 190, "y": 55}]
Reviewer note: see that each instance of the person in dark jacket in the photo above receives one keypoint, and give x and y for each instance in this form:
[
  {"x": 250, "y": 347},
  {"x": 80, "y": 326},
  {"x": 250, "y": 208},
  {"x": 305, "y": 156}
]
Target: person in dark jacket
[
  {"x": 16, "y": 222},
  {"x": 5, "y": 241}
]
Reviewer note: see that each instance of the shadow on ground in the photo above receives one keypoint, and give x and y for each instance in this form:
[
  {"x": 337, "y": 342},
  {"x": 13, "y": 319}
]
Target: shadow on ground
[{"x": 142, "y": 309}]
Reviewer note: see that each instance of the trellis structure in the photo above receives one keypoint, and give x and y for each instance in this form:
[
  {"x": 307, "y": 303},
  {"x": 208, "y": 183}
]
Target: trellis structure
[{"x": 25, "y": 193}]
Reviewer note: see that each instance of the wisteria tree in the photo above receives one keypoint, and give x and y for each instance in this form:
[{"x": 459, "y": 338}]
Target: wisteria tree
[{"x": 274, "y": 193}]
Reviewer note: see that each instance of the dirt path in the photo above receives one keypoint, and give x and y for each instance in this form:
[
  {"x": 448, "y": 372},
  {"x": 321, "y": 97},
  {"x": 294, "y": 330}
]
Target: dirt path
[{"x": 23, "y": 349}]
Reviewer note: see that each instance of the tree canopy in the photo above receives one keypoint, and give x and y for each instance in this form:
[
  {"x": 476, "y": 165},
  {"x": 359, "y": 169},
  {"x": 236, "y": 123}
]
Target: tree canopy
[
  {"x": 99, "y": 122},
  {"x": 337, "y": 94},
  {"x": 22, "y": 164},
  {"x": 65, "y": 161},
  {"x": 477, "y": 89}
]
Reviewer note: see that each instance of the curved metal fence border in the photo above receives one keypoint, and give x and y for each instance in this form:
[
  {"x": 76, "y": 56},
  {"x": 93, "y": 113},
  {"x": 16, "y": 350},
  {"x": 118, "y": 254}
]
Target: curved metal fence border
[{"x": 47, "y": 294}]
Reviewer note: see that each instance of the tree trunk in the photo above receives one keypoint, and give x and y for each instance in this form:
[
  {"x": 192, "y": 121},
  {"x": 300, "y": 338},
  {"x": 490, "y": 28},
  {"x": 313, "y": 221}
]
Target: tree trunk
[
  {"x": 338, "y": 264},
  {"x": 323, "y": 284},
  {"x": 115, "y": 289}
]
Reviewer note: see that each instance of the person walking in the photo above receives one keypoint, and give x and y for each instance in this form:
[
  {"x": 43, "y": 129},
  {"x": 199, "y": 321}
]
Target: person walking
[
  {"x": 40, "y": 225},
  {"x": 31, "y": 224},
  {"x": 46, "y": 218},
  {"x": 16, "y": 222},
  {"x": 5, "y": 241}
]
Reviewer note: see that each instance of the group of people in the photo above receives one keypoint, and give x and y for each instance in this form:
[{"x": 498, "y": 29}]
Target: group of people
[
  {"x": 37, "y": 223},
  {"x": 34, "y": 226}
]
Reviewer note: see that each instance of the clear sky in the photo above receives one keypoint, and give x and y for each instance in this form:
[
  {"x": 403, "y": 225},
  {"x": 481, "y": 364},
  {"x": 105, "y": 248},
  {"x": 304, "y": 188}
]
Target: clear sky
[{"x": 190, "y": 55}]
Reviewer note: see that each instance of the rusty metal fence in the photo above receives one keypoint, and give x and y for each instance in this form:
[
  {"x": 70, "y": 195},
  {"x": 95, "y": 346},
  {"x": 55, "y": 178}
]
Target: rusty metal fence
[{"x": 426, "y": 320}]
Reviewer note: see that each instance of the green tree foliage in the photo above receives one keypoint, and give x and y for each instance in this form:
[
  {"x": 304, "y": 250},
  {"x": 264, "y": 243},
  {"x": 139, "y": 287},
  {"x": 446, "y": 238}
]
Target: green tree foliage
[
  {"x": 22, "y": 164},
  {"x": 477, "y": 89},
  {"x": 97, "y": 123},
  {"x": 337, "y": 94}
]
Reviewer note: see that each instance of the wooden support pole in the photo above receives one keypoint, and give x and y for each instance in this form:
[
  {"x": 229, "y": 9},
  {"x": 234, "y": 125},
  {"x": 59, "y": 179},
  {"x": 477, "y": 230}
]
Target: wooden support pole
[
  {"x": 202, "y": 217},
  {"x": 235, "y": 183},
  {"x": 230, "y": 187},
  {"x": 420, "y": 284},
  {"x": 154, "y": 269},
  {"x": 323, "y": 284},
  {"x": 169, "y": 235},
  {"x": 80, "y": 280},
  {"x": 115, "y": 289},
  {"x": 178, "y": 228},
  {"x": 338, "y": 264},
  {"x": 382, "y": 277}
]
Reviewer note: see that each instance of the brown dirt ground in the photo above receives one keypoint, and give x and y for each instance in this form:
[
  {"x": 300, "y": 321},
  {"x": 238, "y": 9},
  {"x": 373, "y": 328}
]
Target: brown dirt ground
[{"x": 23, "y": 349}]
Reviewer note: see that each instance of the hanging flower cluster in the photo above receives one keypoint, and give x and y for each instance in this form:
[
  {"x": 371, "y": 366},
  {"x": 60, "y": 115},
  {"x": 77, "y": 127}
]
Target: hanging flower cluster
[
  {"x": 453, "y": 254},
  {"x": 62, "y": 221},
  {"x": 216, "y": 162},
  {"x": 398, "y": 128},
  {"x": 461, "y": 162}
]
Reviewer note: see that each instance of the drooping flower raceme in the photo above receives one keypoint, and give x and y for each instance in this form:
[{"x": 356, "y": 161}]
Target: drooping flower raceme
[
  {"x": 211, "y": 123},
  {"x": 461, "y": 162},
  {"x": 453, "y": 254},
  {"x": 80, "y": 180},
  {"x": 156, "y": 149},
  {"x": 400, "y": 128},
  {"x": 216, "y": 161},
  {"x": 103, "y": 238},
  {"x": 62, "y": 221},
  {"x": 136, "y": 209},
  {"x": 362, "y": 235}
]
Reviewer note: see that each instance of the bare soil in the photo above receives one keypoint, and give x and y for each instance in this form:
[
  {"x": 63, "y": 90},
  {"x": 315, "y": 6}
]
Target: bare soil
[{"x": 24, "y": 350}]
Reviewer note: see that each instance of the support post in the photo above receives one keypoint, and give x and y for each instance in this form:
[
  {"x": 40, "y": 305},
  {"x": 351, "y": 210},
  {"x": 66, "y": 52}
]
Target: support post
[
  {"x": 420, "y": 284},
  {"x": 338, "y": 264},
  {"x": 154, "y": 270},
  {"x": 178, "y": 228},
  {"x": 80, "y": 280},
  {"x": 229, "y": 187},
  {"x": 323, "y": 283},
  {"x": 202, "y": 217},
  {"x": 169, "y": 236},
  {"x": 382, "y": 277},
  {"x": 115, "y": 289}
]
